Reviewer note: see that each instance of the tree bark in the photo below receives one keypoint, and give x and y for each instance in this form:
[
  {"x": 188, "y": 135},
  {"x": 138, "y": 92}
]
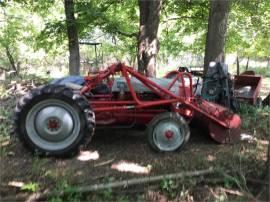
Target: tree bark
[
  {"x": 216, "y": 34},
  {"x": 148, "y": 44},
  {"x": 247, "y": 64},
  {"x": 73, "y": 42},
  {"x": 237, "y": 65},
  {"x": 268, "y": 169},
  {"x": 11, "y": 61}
]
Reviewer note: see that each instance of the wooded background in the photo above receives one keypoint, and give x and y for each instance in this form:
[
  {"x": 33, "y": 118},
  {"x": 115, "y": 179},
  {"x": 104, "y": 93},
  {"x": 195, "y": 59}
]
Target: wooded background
[{"x": 148, "y": 34}]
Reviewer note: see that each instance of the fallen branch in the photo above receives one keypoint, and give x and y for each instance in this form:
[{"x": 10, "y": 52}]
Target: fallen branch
[
  {"x": 143, "y": 180},
  {"x": 249, "y": 196},
  {"x": 126, "y": 183},
  {"x": 233, "y": 192},
  {"x": 104, "y": 163}
]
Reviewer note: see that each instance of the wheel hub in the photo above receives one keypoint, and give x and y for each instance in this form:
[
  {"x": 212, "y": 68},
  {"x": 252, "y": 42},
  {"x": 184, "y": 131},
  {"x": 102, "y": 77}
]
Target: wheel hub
[
  {"x": 169, "y": 134},
  {"x": 54, "y": 123}
]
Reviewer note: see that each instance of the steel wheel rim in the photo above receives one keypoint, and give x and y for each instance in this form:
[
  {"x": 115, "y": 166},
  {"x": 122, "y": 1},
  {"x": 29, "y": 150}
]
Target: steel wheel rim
[
  {"x": 40, "y": 130},
  {"x": 163, "y": 140}
]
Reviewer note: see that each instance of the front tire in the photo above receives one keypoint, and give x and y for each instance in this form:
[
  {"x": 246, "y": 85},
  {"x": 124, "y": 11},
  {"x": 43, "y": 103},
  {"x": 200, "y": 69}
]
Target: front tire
[
  {"x": 53, "y": 120},
  {"x": 168, "y": 132}
]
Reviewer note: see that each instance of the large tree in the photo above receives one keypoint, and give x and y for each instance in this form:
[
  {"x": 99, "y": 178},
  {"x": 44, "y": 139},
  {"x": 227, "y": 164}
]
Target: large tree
[
  {"x": 216, "y": 34},
  {"x": 148, "y": 44},
  {"x": 73, "y": 42}
]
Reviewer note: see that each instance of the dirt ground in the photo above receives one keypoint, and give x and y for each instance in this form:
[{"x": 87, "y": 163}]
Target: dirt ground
[
  {"x": 112, "y": 146},
  {"x": 243, "y": 163}
]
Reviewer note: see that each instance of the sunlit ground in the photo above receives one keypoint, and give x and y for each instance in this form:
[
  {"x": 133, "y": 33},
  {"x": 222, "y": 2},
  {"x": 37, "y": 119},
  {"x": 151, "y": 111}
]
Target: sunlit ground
[
  {"x": 265, "y": 87},
  {"x": 88, "y": 155},
  {"x": 124, "y": 166}
]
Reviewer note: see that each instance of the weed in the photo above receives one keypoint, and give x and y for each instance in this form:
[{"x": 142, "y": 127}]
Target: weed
[
  {"x": 56, "y": 199},
  {"x": 263, "y": 71},
  {"x": 139, "y": 198},
  {"x": 107, "y": 194},
  {"x": 3, "y": 151},
  {"x": 5, "y": 119},
  {"x": 228, "y": 182},
  {"x": 255, "y": 119},
  {"x": 3, "y": 91},
  {"x": 63, "y": 186},
  {"x": 38, "y": 165},
  {"x": 31, "y": 187},
  {"x": 170, "y": 187},
  {"x": 221, "y": 197},
  {"x": 184, "y": 194}
]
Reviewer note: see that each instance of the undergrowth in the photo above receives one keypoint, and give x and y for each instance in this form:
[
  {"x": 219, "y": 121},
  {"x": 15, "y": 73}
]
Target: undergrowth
[{"x": 256, "y": 120}]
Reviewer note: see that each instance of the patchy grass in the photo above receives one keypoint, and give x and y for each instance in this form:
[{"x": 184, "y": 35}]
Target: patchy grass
[
  {"x": 256, "y": 120},
  {"x": 238, "y": 164},
  {"x": 264, "y": 71}
]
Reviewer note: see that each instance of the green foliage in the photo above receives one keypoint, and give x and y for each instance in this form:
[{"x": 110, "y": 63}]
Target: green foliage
[
  {"x": 13, "y": 29},
  {"x": 38, "y": 165},
  {"x": 107, "y": 194},
  {"x": 169, "y": 187},
  {"x": 62, "y": 185},
  {"x": 248, "y": 30},
  {"x": 20, "y": 27},
  {"x": 229, "y": 181},
  {"x": 6, "y": 113},
  {"x": 183, "y": 27},
  {"x": 253, "y": 117},
  {"x": 35, "y": 31},
  {"x": 52, "y": 37},
  {"x": 31, "y": 187},
  {"x": 263, "y": 71},
  {"x": 117, "y": 19}
]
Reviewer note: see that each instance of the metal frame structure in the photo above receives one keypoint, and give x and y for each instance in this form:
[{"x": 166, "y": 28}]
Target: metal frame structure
[{"x": 223, "y": 125}]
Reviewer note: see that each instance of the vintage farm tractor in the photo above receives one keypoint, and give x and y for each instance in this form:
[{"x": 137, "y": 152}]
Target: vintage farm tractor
[{"x": 57, "y": 118}]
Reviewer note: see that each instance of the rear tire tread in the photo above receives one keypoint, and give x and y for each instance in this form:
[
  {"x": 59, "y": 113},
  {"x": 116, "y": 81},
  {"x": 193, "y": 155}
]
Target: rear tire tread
[{"x": 54, "y": 91}]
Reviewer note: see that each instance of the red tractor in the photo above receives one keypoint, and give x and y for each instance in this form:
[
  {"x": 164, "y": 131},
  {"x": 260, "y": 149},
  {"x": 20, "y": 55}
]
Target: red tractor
[{"x": 57, "y": 119}]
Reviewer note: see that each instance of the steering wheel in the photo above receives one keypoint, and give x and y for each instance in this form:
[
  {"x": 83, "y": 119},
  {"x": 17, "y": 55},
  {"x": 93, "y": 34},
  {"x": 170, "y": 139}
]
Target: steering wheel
[{"x": 183, "y": 69}]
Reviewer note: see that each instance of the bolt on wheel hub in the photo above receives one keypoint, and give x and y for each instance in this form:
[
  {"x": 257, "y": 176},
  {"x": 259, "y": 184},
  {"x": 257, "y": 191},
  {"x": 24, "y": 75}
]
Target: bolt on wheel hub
[
  {"x": 53, "y": 124},
  {"x": 169, "y": 134}
]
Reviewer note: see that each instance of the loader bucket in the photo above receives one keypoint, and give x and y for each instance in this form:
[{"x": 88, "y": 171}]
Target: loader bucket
[
  {"x": 222, "y": 124},
  {"x": 230, "y": 134}
]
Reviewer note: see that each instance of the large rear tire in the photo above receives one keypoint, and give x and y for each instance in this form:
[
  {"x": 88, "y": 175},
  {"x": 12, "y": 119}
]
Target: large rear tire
[
  {"x": 54, "y": 120},
  {"x": 168, "y": 132}
]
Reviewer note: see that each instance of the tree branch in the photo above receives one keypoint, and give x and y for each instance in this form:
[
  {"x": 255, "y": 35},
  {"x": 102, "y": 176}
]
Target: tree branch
[
  {"x": 126, "y": 34},
  {"x": 11, "y": 60},
  {"x": 125, "y": 183},
  {"x": 180, "y": 18},
  {"x": 2, "y": 68}
]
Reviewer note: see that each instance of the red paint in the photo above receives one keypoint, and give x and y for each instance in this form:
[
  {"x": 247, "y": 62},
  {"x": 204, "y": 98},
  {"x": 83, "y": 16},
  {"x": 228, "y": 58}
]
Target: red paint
[
  {"x": 53, "y": 124},
  {"x": 129, "y": 108},
  {"x": 255, "y": 82},
  {"x": 169, "y": 134}
]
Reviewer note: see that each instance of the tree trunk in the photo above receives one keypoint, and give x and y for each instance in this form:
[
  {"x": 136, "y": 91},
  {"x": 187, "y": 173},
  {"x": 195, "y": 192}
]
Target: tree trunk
[
  {"x": 247, "y": 64},
  {"x": 148, "y": 44},
  {"x": 73, "y": 43},
  {"x": 237, "y": 65},
  {"x": 11, "y": 61},
  {"x": 268, "y": 63},
  {"x": 216, "y": 34},
  {"x": 268, "y": 169}
]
